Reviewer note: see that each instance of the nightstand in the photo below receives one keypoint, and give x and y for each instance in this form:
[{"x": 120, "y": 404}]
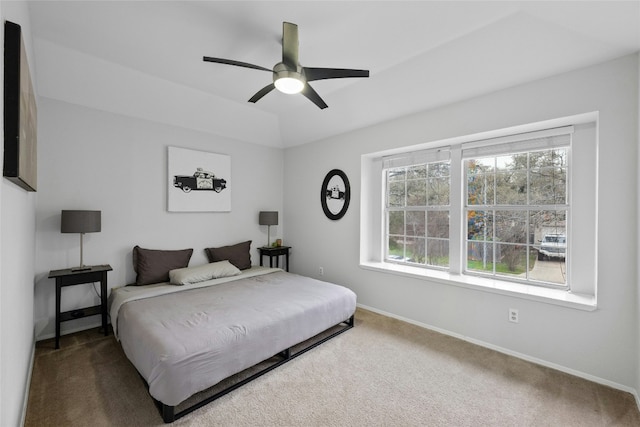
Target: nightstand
[
  {"x": 71, "y": 277},
  {"x": 275, "y": 252}
]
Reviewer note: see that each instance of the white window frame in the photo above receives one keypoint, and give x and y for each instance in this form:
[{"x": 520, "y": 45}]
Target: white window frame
[
  {"x": 425, "y": 157},
  {"x": 559, "y": 137},
  {"x": 582, "y": 292}
]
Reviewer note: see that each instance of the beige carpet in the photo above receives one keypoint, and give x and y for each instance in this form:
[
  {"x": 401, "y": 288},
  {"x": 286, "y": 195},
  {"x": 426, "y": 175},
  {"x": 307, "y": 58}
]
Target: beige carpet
[{"x": 383, "y": 372}]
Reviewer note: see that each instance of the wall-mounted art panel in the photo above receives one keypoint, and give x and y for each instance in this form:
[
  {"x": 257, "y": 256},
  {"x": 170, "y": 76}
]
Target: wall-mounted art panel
[{"x": 20, "y": 114}]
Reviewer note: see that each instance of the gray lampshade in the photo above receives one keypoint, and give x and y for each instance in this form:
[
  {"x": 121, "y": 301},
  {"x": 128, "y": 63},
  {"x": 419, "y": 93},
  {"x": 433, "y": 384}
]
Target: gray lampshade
[
  {"x": 268, "y": 218},
  {"x": 80, "y": 221}
]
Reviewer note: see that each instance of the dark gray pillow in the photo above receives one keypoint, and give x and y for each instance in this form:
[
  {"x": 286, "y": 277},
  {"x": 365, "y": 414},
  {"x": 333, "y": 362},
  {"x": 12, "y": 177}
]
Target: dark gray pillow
[
  {"x": 238, "y": 254},
  {"x": 153, "y": 265}
]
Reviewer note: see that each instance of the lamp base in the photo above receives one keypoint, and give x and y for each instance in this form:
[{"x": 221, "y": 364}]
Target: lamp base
[{"x": 82, "y": 267}]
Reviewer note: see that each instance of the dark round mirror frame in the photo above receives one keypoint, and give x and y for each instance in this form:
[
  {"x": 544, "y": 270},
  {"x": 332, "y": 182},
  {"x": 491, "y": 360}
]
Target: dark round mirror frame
[{"x": 324, "y": 190}]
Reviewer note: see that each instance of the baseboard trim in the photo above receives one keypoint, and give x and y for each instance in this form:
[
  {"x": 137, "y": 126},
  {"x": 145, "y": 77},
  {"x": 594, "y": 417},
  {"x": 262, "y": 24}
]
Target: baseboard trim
[
  {"x": 27, "y": 386},
  {"x": 508, "y": 352},
  {"x": 92, "y": 325}
]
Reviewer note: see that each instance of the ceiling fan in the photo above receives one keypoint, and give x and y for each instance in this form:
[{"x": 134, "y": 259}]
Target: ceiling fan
[{"x": 289, "y": 76}]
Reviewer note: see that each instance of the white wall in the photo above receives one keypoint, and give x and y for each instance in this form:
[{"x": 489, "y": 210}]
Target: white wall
[
  {"x": 601, "y": 345},
  {"x": 638, "y": 239},
  {"x": 103, "y": 161},
  {"x": 17, "y": 252}
]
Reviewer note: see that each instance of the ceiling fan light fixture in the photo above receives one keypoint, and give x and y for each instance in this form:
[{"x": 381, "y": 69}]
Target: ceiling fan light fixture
[
  {"x": 288, "y": 75},
  {"x": 289, "y": 84},
  {"x": 287, "y": 80}
]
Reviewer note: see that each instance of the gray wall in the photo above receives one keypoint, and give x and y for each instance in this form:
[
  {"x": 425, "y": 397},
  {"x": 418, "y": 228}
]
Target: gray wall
[
  {"x": 17, "y": 255},
  {"x": 103, "y": 161},
  {"x": 600, "y": 345}
]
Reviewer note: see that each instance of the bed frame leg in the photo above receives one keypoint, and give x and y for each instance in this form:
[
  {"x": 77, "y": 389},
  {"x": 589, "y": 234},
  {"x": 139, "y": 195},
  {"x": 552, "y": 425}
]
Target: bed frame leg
[
  {"x": 168, "y": 413},
  {"x": 286, "y": 354}
]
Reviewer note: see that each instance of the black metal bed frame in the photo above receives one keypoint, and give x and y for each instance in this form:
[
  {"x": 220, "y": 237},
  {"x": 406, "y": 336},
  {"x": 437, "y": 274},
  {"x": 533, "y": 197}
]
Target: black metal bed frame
[{"x": 169, "y": 413}]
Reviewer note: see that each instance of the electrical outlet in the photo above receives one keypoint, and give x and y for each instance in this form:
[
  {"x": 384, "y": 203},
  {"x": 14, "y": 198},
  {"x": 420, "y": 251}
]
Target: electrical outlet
[
  {"x": 321, "y": 271},
  {"x": 513, "y": 315}
]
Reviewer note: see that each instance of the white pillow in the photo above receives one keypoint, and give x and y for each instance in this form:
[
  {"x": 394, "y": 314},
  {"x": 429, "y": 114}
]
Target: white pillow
[{"x": 215, "y": 270}]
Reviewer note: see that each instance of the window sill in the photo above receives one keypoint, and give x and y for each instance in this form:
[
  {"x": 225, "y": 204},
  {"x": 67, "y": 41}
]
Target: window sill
[{"x": 535, "y": 293}]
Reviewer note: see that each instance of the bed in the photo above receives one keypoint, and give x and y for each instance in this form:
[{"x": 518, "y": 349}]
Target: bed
[{"x": 186, "y": 337}]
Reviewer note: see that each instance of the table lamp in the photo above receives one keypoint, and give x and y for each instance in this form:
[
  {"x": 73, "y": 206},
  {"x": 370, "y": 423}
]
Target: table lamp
[
  {"x": 268, "y": 218},
  {"x": 80, "y": 222}
]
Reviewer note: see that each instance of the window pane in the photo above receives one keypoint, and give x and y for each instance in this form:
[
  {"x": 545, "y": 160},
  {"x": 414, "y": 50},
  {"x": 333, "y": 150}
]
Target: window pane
[
  {"x": 438, "y": 252},
  {"x": 549, "y": 270},
  {"x": 439, "y": 170},
  {"x": 396, "y": 222},
  {"x": 398, "y": 174},
  {"x": 480, "y": 225},
  {"x": 512, "y": 260},
  {"x": 480, "y": 256},
  {"x": 438, "y": 224},
  {"x": 416, "y": 172},
  {"x": 547, "y": 222},
  {"x": 511, "y": 187},
  {"x": 549, "y": 246},
  {"x": 438, "y": 191},
  {"x": 396, "y": 194},
  {"x": 396, "y": 247},
  {"x": 416, "y": 192},
  {"x": 480, "y": 189},
  {"x": 548, "y": 176},
  {"x": 415, "y": 223},
  {"x": 560, "y": 190},
  {"x": 415, "y": 250},
  {"x": 544, "y": 187},
  {"x": 548, "y": 186},
  {"x": 511, "y": 226}
]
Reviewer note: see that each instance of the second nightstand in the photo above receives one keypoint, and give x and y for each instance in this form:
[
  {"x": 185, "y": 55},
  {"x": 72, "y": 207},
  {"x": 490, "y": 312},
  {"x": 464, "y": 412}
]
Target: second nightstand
[{"x": 272, "y": 252}]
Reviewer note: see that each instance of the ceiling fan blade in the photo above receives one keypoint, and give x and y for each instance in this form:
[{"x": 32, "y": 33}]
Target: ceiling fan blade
[
  {"x": 313, "y": 96},
  {"x": 312, "y": 74},
  {"x": 290, "y": 45},
  {"x": 262, "y": 92},
  {"x": 236, "y": 63}
]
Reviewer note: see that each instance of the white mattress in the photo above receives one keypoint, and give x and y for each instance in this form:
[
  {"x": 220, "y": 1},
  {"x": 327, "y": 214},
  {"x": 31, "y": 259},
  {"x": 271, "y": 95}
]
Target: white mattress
[{"x": 185, "y": 339}]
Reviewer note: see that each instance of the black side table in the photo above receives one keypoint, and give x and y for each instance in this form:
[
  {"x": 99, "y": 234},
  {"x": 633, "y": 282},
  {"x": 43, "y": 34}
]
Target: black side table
[
  {"x": 275, "y": 252},
  {"x": 70, "y": 277}
]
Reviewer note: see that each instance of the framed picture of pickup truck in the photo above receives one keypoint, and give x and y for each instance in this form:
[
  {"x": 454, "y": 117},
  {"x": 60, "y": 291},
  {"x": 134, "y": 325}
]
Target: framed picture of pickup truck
[{"x": 199, "y": 181}]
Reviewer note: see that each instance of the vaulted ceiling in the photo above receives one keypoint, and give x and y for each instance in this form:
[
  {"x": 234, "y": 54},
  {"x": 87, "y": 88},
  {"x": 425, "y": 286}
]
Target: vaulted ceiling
[{"x": 144, "y": 58}]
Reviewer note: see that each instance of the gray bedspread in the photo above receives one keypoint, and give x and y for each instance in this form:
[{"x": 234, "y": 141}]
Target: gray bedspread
[{"x": 187, "y": 341}]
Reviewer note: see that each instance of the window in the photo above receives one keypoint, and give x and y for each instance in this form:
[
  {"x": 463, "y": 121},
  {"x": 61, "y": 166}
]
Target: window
[
  {"x": 516, "y": 210},
  {"x": 417, "y": 212},
  {"x": 511, "y": 211}
]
